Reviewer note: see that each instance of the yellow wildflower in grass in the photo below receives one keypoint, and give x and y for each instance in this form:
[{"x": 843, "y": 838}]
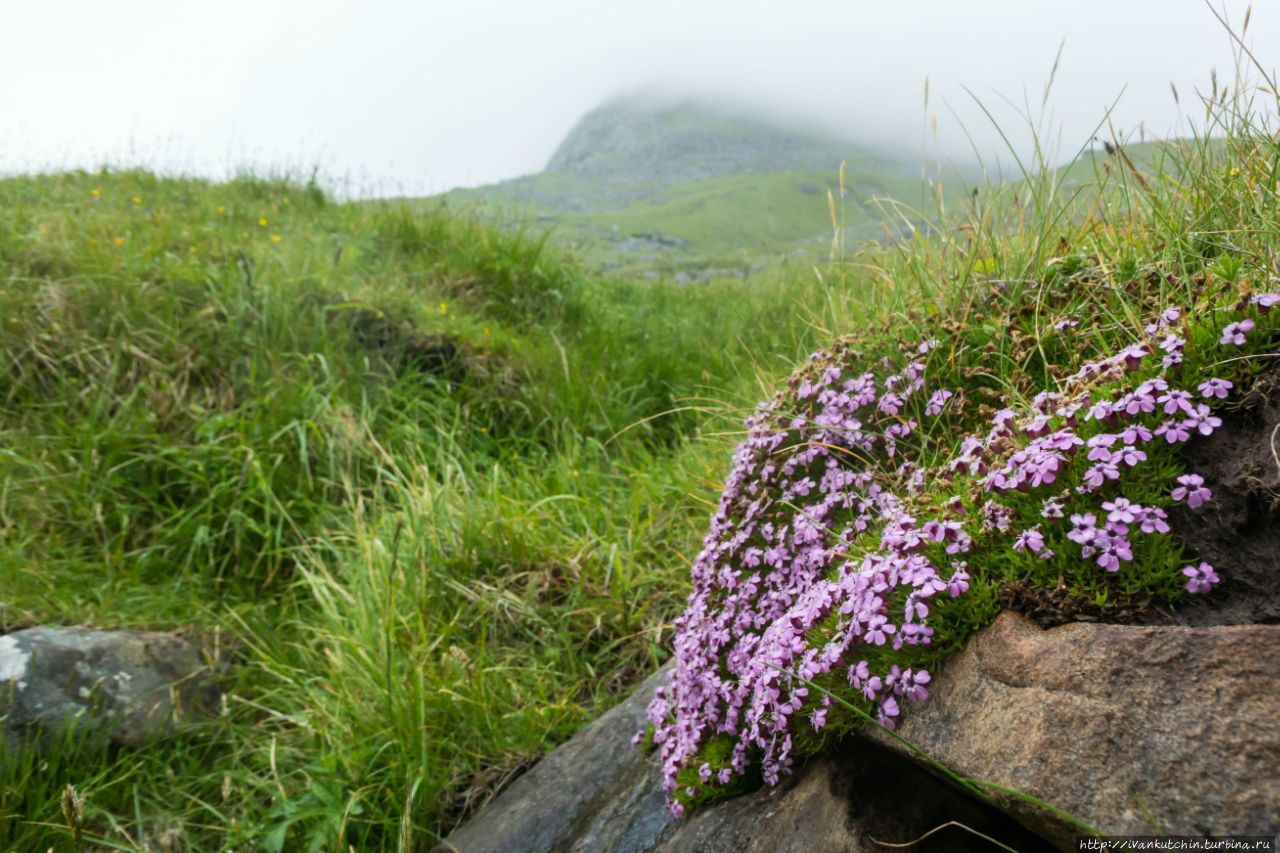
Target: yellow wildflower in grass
[
  {"x": 262, "y": 222},
  {"x": 119, "y": 241},
  {"x": 137, "y": 200},
  {"x": 95, "y": 192},
  {"x": 286, "y": 200},
  {"x": 443, "y": 309},
  {"x": 191, "y": 249},
  {"x": 222, "y": 209},
  {"x": 275, "y": 238}
]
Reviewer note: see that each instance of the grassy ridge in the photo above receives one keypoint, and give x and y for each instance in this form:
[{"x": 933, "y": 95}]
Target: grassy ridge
[
  {"x": 727, "y": 221},
  {"x": 437, "y": 484}
]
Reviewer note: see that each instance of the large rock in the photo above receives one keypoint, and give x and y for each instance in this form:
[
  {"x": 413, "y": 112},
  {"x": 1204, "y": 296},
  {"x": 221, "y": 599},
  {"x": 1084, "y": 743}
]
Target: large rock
[
  {"x": 595, "y": 793},
  {"x": 1129, "y": 728},
  {"x": 130, "y": 687}
]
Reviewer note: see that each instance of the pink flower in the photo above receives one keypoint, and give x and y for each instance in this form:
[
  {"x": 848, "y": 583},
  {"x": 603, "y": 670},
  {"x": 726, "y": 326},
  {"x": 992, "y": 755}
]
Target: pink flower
[
  {"x": 959, "y": 581},
  {"x": 1085, "y": 530},
  {"x": 1135, "y": 433},
  {"x": 1121, "y": 511},
  {"x": 1174, "y": 431},
  {"x": 1098, "y": 447},
  {"x": 1211, "y": 388},
  {"x": 1175, "y": 401},
  {"x": 1203, "y": 420},
  {"x": 1129, "y": 456},
  {"x": 1152, "y": 520},
  {"x": 937, "y": 402},
  {"x": 1264, "y": 301},
  {"x": 1029, "y": 540},
  {"x": 1111, "y": 550},
  {"x": 1192, "y": 490},
  {"x": 1234, "y": 332},
  {"x": 1202, "y": 578}
]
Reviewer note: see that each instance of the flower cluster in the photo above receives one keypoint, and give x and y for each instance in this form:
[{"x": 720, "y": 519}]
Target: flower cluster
[
  {"x": 825, "y": 557},
  {"x": 775, "y": 567}
]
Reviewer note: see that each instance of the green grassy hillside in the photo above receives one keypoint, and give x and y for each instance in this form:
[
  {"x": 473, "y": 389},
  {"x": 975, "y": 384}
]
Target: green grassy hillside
[
  {"x": 435, "y": 483},
  {"x": 726, "y": 192}
]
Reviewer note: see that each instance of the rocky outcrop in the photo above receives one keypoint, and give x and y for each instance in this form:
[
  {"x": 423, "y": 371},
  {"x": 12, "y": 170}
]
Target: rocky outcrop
[
  {"x": 130, "y": 687},
  {"x": 1132, "y": 729},
  {"x": 1171, "y": 725},
  {"x": 596, "y": 793}
]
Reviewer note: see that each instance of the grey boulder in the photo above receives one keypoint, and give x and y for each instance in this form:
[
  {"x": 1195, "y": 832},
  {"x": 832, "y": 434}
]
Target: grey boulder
[
  {"x": 129, "y": 687},
  {"x": 596, "y": 793}
]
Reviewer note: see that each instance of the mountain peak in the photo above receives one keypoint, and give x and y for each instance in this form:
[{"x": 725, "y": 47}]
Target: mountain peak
[{"x": 637, "y": 139}]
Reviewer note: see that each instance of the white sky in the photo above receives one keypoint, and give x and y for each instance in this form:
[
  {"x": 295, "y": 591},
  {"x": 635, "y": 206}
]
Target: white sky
[{"x": 417, "y": 97}]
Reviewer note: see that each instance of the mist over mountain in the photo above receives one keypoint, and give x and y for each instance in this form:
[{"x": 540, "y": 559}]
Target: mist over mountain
[
  {"x": 648, "y": 149},
  {"x": 646, "y": 180},
  {"x": 639, "y": 139}
]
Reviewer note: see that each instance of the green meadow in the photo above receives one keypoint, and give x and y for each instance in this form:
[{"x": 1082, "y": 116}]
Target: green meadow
[{"x": 434, "y": 484}]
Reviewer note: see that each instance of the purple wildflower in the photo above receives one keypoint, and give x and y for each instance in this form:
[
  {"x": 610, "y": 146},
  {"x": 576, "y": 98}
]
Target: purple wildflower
[
  {"x": 996, "y": 516},
  {"x": 890, "y": 403},
  {"x": 1174, "y": 431},
  {"x": 1097, "y": 475},
  {"x": 1085, "y": 528},
  {"x": 913, "y": 684},
  {"x": 1215, "y": 387},
  {"x": 1051, "y": 508},
  {"x": 1129, "y": 456},
  {"x": 878, "y": 629},
  {"x": 1203, "y": 420},
  {"x": 938, "y": 401},
  {"x": 1264, "y": 301},
  {"x": 887, "y": 710},
  {"x": 1135, "y": 433},
  {"x": 1029, "y": 540},
  {"x": 1063, "y": 440},
  {"x": 1111, "y": 550},
  {"x": 1152, "y": 520},
  {"x": 1098, "y": 447},
  {"x": 1133, "y": 354},
  {"x": 1121, "y": 511},
  {"x": 1193, "y": 490},
  {"x": 1235, "y": 333},
  {"x": 1175, "y": 401},
  {"x": 1202, "y": 578}
]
